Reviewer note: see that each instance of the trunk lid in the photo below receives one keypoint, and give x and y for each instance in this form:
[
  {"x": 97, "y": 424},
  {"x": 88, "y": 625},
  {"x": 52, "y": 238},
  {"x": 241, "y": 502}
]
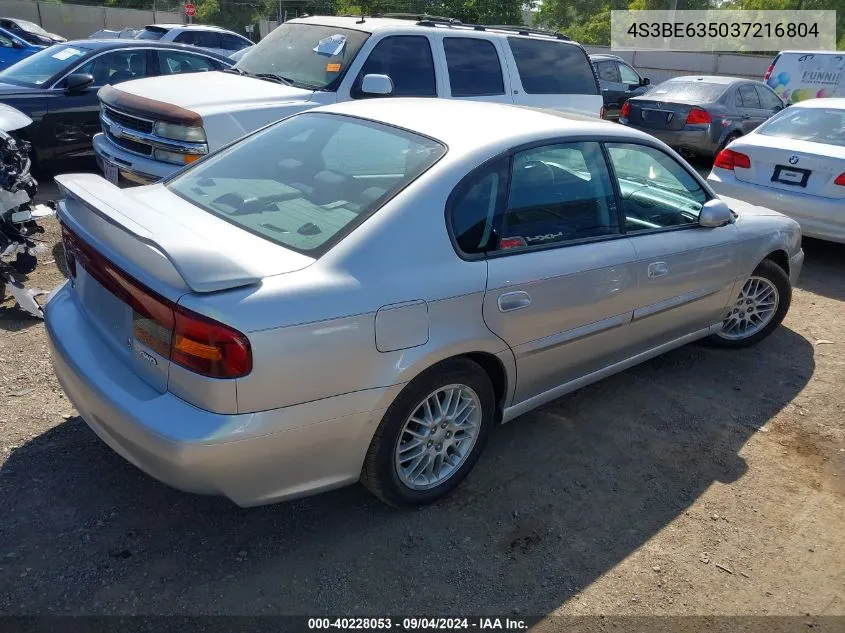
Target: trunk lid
[
  {"x": 651, "y": 114},
  {"x": 151, "y": 239},
  {"x": 792, "y": 165}
]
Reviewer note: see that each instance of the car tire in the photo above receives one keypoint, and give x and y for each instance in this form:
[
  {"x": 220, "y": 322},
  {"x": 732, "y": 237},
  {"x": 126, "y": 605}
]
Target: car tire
[
  {"x": 728, "y": 140},
  {"x": 389, "y": 465},
  {"x": 766, "y": 277}
]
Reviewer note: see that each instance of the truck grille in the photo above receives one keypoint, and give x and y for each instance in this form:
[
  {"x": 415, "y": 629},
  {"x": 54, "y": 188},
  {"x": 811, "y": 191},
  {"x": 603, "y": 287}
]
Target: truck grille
[
  {"x": 128, "y": 144},
  {"x": 128, "y": 121}
]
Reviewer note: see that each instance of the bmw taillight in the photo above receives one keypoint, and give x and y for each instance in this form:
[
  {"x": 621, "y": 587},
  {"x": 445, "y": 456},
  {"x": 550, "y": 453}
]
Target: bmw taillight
[
  {"x": 698, "y": 116},
  {"x": 183, "y": 336},
  {"x": 626, "y": 110},
  {"x": 840, "y": 180},
  {"x": 729, "y": 159}
]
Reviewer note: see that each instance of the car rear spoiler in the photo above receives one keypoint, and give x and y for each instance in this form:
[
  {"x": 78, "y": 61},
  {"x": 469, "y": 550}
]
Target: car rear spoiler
[{"x": 204, "y": 264}]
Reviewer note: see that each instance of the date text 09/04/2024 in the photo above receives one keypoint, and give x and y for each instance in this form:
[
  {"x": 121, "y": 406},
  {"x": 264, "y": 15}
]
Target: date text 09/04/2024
[
  {"x": 418, "y": 624},
  {"x": 722, "y": 29}
]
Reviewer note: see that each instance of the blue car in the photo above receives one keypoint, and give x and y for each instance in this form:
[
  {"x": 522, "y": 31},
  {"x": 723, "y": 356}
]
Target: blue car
[{"x": 13, "y": 49}]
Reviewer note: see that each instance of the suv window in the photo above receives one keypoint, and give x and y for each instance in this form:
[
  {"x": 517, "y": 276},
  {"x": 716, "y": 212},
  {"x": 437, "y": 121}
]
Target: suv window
[
  {"x": 319, "y": 185},
  {"x": 547, "y": 67},
  {"x": 407, "y": 60},
  {"x": 768, "y": 99},
  {"x": 233, "y": 42},
  {"x": 204, "y": 39},
  {"x": 656, "y": 191},
  {"x": 474, "y": 67},
  {"x": 608, "y": 71},
  {"x": 628, "y": 75},
  {"x": 177, "y": 62},
  {"x": 749, "y": 96}
]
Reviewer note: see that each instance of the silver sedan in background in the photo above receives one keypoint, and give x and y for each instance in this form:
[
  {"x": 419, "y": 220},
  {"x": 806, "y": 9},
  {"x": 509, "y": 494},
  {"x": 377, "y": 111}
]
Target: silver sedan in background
[
  {"x": 700, "y": 115},
  {"x": 794, "y": 163},
  {"x": 363, "y": 291}
]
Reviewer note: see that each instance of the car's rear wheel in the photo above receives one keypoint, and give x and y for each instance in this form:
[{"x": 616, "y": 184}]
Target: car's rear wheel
[
  {"x": 728, "y": 140},
  {"x": 758, "y": 310},
  {"x": 431, "y": 436}
]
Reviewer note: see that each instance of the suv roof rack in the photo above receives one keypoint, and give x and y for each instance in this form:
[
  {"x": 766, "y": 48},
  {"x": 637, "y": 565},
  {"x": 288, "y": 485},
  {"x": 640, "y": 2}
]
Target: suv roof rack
[{"x": 423, "y": 19}]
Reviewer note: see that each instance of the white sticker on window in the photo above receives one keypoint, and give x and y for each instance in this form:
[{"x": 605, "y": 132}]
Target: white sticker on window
[
  {"x": 67, "y": 53},
  {"x": 331, "y": 45}
]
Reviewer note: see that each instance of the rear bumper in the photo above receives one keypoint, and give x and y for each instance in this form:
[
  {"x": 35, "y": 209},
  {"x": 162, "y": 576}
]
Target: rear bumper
[
  {"x": 252, "y": 458},
  {"x": 133, "y": 168},
  {"x": 697, "y": 141},
  {"x": 822, "y": 218}
]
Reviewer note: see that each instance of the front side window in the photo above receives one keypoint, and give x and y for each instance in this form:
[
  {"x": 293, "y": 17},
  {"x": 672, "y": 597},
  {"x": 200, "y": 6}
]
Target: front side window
[
  {"x": 407, "y": 60},
  {"x": 6, "y": 42},
  {"x": 628, "y": 75},
  {"x": 656, "y": 191},
  {"x": 116, "y": 67},
  {"x": 178, "y": 62},
  {"x": 768, "y": 99},
  {"x": 310, "y": 56},
  {"x": 474, "y": 67},
  {"x": 319, "y": 184},
  {"x": 607, "y": 71},
  {"x": 36, "y": 70},
  {"x": 552, "y": 67},
  {"x": 749, "y": 97}
]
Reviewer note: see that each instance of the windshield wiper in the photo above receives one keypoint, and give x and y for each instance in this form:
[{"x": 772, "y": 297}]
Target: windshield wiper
[
  {"x": 271, "y": 77},
  {"x": 236, "y": 71}
]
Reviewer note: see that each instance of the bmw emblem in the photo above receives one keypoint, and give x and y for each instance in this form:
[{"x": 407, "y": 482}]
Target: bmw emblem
[{"x": 793, "y": 160}]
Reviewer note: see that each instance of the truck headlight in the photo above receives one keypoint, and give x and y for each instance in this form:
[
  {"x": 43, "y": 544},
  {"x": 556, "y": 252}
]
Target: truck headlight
[{"x": 179, "y": 132}]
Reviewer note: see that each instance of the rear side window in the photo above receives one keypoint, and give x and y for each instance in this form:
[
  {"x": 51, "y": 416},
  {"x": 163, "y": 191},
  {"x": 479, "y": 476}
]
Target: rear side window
[
  {"x": 233, "y": 42},
  {"x": 547, "y": 67},
  {"x": 608, "y": 71},
  {"x": 151, "y": 34},
  {"x": 319, "y": 185},
  {"x": 749, "y": 96},
  {"x": 204, "y": 39},
  {"x": 177, "y": 62},
  {"x": 474, "y": 67},
  {"x": 407, "y": 60}
]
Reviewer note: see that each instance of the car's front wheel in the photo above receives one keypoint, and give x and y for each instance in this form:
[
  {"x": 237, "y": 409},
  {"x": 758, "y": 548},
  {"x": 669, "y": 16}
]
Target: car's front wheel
[
  {"x": 431, "y": 436},
  {"x": 758, "y": 310}
]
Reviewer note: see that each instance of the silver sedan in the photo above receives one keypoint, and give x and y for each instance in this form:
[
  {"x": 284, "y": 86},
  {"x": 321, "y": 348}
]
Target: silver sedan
[
  {"x": 362, "y": 292},
  {"x": 794, "y": 163}
]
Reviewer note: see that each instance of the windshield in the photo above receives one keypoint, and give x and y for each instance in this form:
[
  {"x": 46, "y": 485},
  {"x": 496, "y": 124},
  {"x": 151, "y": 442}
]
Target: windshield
[
  {"x": 307, "y": 55},
  {"x": 34, "y": 71},
  {"x": 687, "y": 91},
  {"x": 818, "y": 125},
  {"x": 151, "y": 34},
  {"x": 31, "y": 27},
  {"x": 304, "y": 182}
]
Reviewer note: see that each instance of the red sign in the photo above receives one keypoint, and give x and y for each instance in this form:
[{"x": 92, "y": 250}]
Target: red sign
[{"x": 190, "y": 9}]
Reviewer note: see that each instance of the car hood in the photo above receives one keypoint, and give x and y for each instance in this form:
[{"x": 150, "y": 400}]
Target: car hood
[
  {"x": 742, "y": 208},
  {"x": 12, "y": 119},
  {"x": 205, "y": 93},
  {"x": 9, "y": 90}
]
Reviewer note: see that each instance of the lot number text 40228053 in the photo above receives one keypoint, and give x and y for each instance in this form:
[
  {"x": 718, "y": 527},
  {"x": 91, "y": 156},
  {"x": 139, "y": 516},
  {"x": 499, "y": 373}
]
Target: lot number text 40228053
[{"x": 418, "y": 624}]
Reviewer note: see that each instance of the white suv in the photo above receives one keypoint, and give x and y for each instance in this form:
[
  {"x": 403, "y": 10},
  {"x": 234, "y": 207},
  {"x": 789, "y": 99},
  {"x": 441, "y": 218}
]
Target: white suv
[
  {"x": 204, "y": 36},
  {"x": 152, "y": 127}
]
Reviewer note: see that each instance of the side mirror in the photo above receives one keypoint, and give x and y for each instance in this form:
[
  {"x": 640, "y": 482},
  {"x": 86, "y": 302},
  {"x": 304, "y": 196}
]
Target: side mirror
[
  {"x": 715, "y": 213},
  {"x": 377, "y": 85},
  {"x": 645, "y": 81},
  {"x": 77, "y": 82}
]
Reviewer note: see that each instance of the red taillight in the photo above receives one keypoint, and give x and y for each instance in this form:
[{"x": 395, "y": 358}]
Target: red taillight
[
  {"x": 626, "y": 110},
  {"x": 188, "y": 339},
  {"x": 602, "y": 113},
  {"x": 840, "y": 180},
  {"x": 768, "y": 73},
  {"x": 729, "y": 159},
  {"x": 697, "y": 115}
]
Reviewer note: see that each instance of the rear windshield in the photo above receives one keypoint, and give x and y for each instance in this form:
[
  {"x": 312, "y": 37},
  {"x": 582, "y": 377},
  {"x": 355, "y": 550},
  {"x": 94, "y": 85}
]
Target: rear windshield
[
  {"x": 551, "y": 67},
  {"x": 307, "y": 181},
  {"x": 819, "y": 125},
  {"x": 687, "y": 91},
  {"x": 35, "y": 71},
  {"x": 31, "y": 27},
  {"x": 151, "y": 34},
  {"x": 307, "y": 55}
]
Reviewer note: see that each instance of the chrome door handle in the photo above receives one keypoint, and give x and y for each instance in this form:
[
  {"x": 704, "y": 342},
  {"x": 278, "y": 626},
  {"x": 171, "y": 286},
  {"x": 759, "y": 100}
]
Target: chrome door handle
[
  {"x": 657, "y": 269},
  {"x": 514, "y": 301}
]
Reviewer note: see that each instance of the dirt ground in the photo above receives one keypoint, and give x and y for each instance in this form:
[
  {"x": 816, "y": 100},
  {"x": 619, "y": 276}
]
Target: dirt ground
[{"x": 702, "y": 482}]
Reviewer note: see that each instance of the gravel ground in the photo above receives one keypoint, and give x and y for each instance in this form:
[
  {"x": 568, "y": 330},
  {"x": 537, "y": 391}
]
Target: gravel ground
[{"x": 702, "y": 482}]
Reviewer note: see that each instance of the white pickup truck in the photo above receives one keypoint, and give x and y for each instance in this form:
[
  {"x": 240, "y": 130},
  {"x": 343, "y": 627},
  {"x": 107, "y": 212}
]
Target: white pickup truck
[{"x": 153, "y": 127}]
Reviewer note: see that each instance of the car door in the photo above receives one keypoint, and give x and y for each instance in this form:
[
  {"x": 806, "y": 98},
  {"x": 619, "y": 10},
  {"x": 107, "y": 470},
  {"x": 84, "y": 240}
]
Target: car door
[
  {"x": 10, "y": 51},
  {"x": 74, "y": 117},
  {"x": 612, "y": 90},
  {"x": 686, "y": 272},
  {"x": 632, "y": 82},
  {"x": 474, "y": 69},
  {"x": 561, "y": 282},
  {"x": 751, "y": 111},
  {"x": 770, "y": 103}
]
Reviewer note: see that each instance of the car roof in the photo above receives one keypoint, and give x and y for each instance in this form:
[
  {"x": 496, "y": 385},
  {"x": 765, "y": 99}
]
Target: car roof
[
  {"x": 373, "y": 25},
  {"x": 105, "y": 44},
  {"x": 709, "y": 79},
  {"x": 607, "y": 56},
  {"x": 189, "y": 27},
  {"x": 467, "y": 126}
]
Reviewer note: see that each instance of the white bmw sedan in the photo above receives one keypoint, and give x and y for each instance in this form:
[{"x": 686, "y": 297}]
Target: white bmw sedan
[
  {"x": 362, "y": 292},
  {"x": 794, "y": 163}
]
